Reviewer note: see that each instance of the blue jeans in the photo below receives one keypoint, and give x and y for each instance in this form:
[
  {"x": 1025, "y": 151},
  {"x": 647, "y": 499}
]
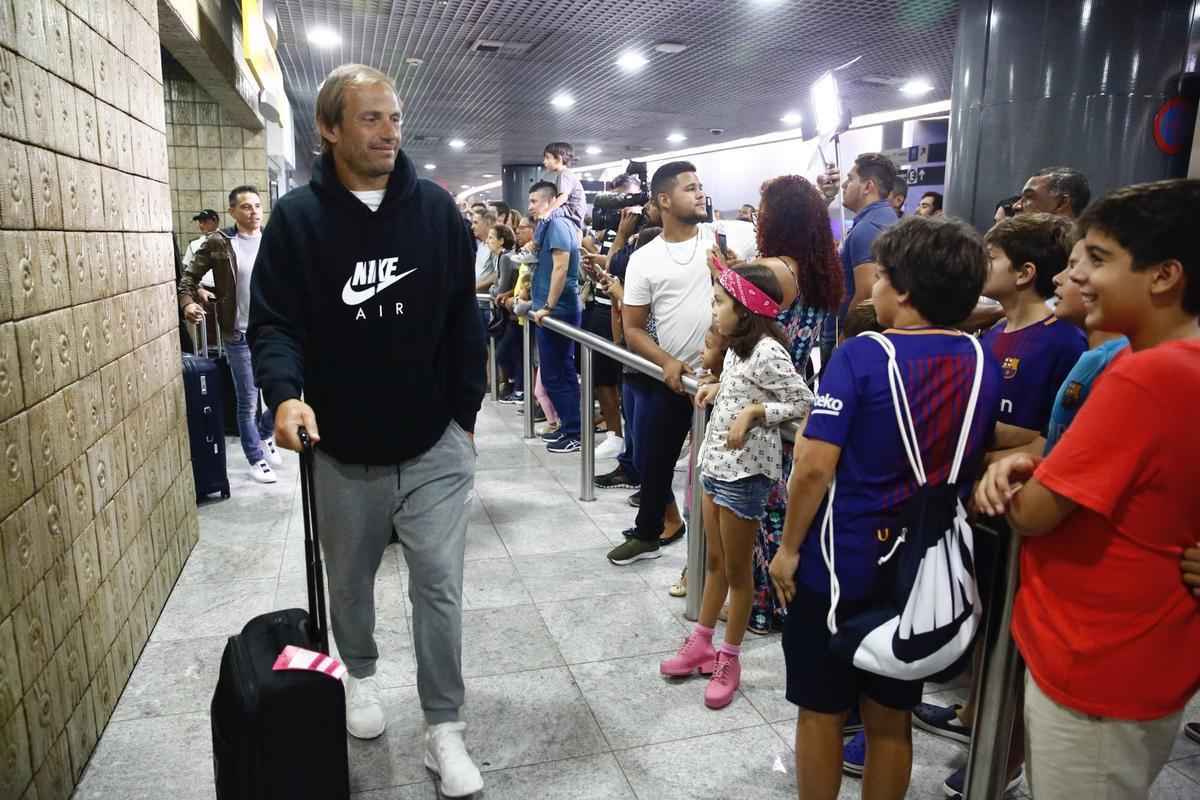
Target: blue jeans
[
  {"x": 629, "y": 407},
  {"x": 556, "y": 356},
  {"x": 745, "y": 497},
  {"x": 238, "y": 352}
]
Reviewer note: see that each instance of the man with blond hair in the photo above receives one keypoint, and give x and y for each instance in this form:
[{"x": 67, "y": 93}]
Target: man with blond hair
[{"x": 363, "y": 302}]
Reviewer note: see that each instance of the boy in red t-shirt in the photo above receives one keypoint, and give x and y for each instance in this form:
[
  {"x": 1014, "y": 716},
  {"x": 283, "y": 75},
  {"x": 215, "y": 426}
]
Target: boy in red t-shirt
[{"x": 1108, "y": 631}]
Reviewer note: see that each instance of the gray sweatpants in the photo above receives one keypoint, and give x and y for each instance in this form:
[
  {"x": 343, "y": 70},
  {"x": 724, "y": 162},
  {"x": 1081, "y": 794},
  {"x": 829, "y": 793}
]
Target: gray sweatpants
[{"x": 424, "y": 500}]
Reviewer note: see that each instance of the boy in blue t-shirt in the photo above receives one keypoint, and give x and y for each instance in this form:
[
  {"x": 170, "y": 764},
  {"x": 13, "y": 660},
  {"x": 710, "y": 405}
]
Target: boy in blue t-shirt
[
  {"x": 1034, "y": 348},
  {"x": 930, "y": 275}
]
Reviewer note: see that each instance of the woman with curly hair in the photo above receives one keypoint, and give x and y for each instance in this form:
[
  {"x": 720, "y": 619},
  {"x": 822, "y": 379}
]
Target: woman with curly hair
[{"x": 795, "y": 240}]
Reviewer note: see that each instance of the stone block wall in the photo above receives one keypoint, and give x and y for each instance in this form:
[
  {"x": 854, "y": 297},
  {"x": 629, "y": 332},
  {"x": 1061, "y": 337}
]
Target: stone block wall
[
  {"x": 97, "y": 511},
  {"x": 208, "y": 154}
]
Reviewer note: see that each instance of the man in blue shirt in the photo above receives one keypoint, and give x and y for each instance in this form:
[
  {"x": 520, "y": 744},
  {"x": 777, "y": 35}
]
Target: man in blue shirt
[
  {"x": 556, "y": 294},
  {"x": 865, "y": 192}
]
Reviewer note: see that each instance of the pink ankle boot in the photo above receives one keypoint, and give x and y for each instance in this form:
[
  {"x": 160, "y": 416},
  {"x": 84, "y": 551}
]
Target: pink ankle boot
[
  {"x": 696, "y": 655},
  {"x": 726, "y": 678}
]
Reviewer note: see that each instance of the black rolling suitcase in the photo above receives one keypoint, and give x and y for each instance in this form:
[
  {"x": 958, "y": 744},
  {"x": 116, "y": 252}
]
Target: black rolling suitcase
[
  {"x": 282, "y": 733},
  {"x": 204, "y": 390}
]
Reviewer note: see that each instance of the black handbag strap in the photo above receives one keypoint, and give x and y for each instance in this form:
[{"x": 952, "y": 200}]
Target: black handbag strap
[{"x": 314, "y": 567}]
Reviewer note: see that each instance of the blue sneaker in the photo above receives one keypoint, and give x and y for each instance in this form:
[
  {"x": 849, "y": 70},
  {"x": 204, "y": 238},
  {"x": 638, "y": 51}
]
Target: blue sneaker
[
  {"x": 953, "y": 787},
  {"x": 941, "y": 721},
  {"x": 854, "y": 723},
  {"x": 854, "y": 755}
]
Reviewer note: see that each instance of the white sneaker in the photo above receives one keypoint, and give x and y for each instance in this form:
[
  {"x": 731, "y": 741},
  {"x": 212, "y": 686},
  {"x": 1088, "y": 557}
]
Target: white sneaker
[
  {"x": 364, "y": 711},
  {"x": 611, "y": 447},
  {"x": 262, "y": 472},
  {"x": 272, "y": 452},
  {"x": 446, "y": 755}
]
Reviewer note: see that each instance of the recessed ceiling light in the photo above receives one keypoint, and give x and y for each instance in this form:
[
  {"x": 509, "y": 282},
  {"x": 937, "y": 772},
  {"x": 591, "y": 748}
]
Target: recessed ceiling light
[
  {"x": 488, "y": 175},
  {"x": 631, "y": 61},
  {"x": 466, "y": 186},
  {"x": 414, "y": 62},
  {"x": 670, "y": 47},
  {"x": 676, "y": 137},
  {"x": 587, "y": 175},
  {"x": 324, "y": 37},
  {"x": 457, "y": 144},
  {"x": 431, "y": 166},
  {"x": 791, "y": 118},
  {"x": 917, "y": 87},
  {"x": 562, "y": 101},
  {"x": 594, "y": 151}
]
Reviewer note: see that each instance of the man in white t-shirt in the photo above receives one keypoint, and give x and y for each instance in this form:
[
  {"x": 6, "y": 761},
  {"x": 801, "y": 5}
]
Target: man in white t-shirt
[{"x": 667, "y": 311}]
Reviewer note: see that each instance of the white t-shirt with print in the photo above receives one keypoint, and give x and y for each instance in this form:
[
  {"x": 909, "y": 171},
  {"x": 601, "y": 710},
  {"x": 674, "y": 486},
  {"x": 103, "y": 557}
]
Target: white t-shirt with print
[{"x": 672, "y": 278}]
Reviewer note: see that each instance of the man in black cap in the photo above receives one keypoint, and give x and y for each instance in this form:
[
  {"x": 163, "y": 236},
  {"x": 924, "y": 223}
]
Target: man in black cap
[{"x": 207, "y": 222}]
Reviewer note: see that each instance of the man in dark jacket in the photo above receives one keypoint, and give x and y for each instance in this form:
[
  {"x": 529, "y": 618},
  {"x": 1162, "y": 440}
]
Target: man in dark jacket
[{"x": 363, "y": 301}]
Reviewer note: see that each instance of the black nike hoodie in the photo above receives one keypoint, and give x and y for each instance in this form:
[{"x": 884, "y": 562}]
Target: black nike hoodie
[{"x": 372, "y": 315}]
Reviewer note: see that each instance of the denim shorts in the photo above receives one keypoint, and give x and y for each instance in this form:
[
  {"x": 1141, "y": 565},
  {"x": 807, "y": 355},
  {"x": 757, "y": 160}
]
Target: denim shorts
[{"x": 745, "y": 497}]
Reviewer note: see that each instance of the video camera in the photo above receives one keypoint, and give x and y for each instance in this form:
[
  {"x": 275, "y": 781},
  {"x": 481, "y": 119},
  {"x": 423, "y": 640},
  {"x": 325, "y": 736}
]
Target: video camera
[{"x": 606, "y": 206}]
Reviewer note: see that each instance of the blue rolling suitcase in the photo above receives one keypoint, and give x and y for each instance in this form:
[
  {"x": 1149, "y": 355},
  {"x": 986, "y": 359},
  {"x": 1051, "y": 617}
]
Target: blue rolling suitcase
[{"x": 204, "y": 391}]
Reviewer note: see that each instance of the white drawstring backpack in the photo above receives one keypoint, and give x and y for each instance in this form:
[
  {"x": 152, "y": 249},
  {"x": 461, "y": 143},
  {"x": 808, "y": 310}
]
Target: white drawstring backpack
[{"x": 927, "y": 622}]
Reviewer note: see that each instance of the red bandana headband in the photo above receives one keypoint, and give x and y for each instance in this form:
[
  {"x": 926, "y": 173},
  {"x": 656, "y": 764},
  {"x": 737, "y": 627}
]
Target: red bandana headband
[{"x": 753, "y": 298}]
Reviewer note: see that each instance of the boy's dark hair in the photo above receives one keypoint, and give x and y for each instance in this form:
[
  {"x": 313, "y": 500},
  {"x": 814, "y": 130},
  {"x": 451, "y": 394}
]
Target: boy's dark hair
[
  {"x": 500, "y": 207},
  {"x": 505, "y": 234},
  {"x": 563, "y": 151},
  {"x": 750, "y": 326},
  {"x": 664, "y": 177},
  {"x": 647, "y": 235},
  {"x": 1007, "y": 204},
  {"x": 940, "y": 262},
  {"x": 544, "y": 186},
  {"x": 1070, "y": 183},
  {"x": 879, "y": 168},
  {"x": 244, "y": 188},
  {"x": 1038, "y": 239},
  {"x": 1155, "y": 222},
  {"x": 937, "y": 199}
]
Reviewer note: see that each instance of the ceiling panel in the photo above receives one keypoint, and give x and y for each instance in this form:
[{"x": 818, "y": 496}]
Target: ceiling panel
[{"x": 747, "y": 62}]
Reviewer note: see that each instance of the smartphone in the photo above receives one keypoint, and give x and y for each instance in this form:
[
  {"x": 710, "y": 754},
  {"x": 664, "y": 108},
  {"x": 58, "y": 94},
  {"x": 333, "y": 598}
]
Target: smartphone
[
  {"x": 721, "y": 242},
  {"x": 709, "y": 208}
]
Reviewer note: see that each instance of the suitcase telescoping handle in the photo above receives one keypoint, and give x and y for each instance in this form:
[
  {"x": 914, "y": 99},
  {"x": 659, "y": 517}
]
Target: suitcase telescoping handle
[
  {"x": 201, "y": 340},
  {"x": 314, "y": 567}
]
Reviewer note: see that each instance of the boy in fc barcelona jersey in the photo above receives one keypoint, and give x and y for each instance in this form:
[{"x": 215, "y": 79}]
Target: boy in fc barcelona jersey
[{"x": 1035, "y": 349}]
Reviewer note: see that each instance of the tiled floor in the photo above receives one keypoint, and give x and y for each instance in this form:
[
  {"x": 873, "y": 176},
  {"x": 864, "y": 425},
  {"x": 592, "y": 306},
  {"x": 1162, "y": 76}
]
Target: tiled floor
[{"x": 560, "y": 652}]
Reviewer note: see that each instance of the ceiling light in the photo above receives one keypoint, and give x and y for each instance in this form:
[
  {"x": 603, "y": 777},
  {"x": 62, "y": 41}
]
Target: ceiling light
[
  {"x": 562, "y": 101},
  {"x": 457, "y": 144},
  {"x": 488, "y": 175},
  {"x": 594, "y": 151},
  {"x": 631, "y": 61},
  {"x": 324, "y": 37},
  {"x": 676, "y": 137},
  {"x": 670, "y": 47},
  {"x": 917, "y": 87},
  {"x": 466, "y": 186},
  {"x": 791, "y": 119},
  {"x": 414, "y": 62},
  {"x": 431, "y": 166}
]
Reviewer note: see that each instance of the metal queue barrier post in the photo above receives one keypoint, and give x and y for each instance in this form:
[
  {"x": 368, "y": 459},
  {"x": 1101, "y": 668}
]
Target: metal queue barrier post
[
  {"x": 486, "y": 301},
  {"x": 587, "y": 428},
  {"x": 697, "y": 544},
  {"x": 995, "y": 709}
]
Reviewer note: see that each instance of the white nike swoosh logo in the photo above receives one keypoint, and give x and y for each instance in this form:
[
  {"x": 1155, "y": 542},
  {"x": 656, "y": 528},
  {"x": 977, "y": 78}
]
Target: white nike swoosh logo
[{"x": 353, "y": 297}]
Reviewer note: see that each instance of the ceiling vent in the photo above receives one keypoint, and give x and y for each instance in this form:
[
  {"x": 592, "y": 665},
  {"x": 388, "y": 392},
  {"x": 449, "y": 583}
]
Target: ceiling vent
[{"x": 502, "y": 47}]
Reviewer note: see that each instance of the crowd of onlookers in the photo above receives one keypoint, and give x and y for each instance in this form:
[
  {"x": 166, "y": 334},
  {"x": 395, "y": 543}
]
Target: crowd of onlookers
[{"x": 1044, "y": 370}]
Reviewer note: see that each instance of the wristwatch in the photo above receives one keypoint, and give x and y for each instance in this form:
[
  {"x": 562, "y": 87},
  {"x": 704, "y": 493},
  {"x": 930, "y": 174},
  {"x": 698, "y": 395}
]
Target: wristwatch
[{"x": 546, "y": 307}]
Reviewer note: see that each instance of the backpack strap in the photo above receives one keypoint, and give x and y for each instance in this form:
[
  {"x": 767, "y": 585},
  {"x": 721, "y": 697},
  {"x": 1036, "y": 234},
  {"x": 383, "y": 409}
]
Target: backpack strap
[
  {"x": 969, "y": 417},
  {"x": 904, "y": 420}
]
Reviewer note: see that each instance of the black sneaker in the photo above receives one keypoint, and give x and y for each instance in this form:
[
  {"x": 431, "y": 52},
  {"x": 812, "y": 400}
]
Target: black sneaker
[
  {"x": 1192, "y": 731},
  {"x": 617, "y": 479},
  {"x": 551, "y": 436},
  {"x": 941, "y": 721},
  {"x": 513, "y": 398},
  {"x": 564, "y": 444},
  {"x": 635, "y": 499}
]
